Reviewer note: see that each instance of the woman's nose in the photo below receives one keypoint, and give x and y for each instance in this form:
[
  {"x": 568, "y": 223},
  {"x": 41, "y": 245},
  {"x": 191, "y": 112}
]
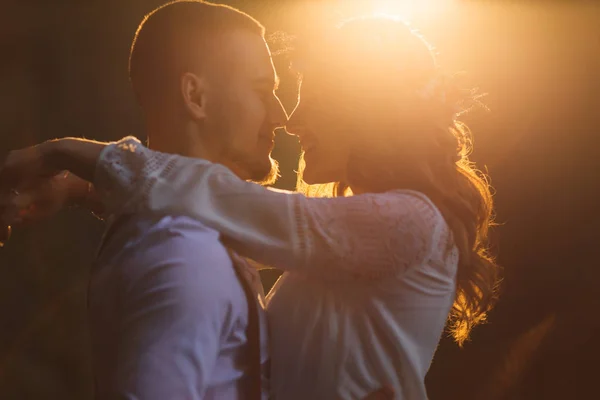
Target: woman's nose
[{"x": 278, "y": 116}]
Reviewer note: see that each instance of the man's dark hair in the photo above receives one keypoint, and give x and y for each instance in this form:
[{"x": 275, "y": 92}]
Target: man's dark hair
[{"x": 167, "y": 37}]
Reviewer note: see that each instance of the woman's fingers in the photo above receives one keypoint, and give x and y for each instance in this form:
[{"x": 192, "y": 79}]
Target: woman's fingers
[
  {"x": 385, "y": 393},
  {"x": 5, "y": 232},
  {"x": 18, "y": 167}
]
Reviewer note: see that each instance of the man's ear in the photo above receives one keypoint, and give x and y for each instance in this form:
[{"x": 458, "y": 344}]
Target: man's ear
[{"x": 193, "y": 92}]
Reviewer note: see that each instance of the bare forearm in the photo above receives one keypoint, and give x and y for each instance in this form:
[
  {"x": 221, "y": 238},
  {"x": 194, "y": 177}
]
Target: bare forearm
[
  {"x": 79, "y": 156},
  {"x": 35, "y": 184},
  {"x": 83, "y": 194}
]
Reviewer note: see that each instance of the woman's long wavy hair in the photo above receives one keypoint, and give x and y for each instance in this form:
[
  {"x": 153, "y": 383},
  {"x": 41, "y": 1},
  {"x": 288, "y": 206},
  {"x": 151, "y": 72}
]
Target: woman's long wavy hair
[{"x": 422, "y": 145}]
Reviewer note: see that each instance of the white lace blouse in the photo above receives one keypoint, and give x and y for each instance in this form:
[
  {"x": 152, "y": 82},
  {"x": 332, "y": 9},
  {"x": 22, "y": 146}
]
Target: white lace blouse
[{"x": 369, "y": 279}]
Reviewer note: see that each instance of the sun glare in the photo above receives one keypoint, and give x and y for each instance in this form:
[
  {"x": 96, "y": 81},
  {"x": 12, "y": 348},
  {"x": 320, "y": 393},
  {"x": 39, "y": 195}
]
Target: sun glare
[{"x": 409, "y": 9}]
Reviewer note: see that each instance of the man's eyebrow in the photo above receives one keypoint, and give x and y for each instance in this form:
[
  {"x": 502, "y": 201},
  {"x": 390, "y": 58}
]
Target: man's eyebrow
[{"x": 270, "y": 81}]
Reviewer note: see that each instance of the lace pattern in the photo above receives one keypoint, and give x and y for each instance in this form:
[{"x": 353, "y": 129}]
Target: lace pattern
[
  {"x": 125, "y": 175},
  {"x": 364, "y": 236},
  {"x": 378, "y": 236}
]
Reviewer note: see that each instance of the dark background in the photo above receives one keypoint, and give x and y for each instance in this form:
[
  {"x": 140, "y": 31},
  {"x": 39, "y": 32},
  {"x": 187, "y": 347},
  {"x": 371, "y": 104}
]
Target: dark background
[{"x": 63, "y": 72}]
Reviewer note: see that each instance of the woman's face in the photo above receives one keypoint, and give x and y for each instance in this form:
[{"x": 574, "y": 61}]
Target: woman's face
[
  {"x": 357, "y": 95},
  {"x": 319, "y": 122}
]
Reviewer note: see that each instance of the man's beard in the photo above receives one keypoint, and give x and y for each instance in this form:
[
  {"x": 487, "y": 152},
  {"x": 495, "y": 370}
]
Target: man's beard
[
  {"x": 263, "y": 174},
  {"x": 258, "y": 170},
  {"x": 255, "y": 168}
]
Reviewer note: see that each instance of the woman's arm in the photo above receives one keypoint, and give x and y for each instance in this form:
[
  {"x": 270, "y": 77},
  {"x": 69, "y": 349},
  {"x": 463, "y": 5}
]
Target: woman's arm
[
  {"x": 32, "y": 188},
  {"x": 23, "y": 166},
  {"x": 371, "y": 234}
]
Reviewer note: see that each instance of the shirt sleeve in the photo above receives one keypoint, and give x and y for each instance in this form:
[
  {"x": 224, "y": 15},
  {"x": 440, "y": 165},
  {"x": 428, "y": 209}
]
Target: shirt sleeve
[
  {"x": 173, "y": 313},
  {"x": 369, "y": 234}
]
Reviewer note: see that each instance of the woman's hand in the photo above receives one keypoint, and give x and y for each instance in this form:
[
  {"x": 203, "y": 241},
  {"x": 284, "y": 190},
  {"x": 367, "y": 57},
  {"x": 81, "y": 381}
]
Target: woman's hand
[
  {"x": 385, "y": 393},
  {"x": 43, "y": 199},
  {"x": 5, "y": 232},
  {"x": 31, "y": 187},
  {"x": 18, "y": 169},
  {"x": 24, "y": 167}
]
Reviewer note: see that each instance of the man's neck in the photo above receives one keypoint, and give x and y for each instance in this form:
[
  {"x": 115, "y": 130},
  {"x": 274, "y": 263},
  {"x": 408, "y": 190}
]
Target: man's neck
[{"x": 182, "y": 141}]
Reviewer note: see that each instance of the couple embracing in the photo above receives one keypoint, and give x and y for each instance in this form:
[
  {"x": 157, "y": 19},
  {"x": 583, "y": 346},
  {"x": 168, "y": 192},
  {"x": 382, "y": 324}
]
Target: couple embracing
[{"x": 384, "y": 248}]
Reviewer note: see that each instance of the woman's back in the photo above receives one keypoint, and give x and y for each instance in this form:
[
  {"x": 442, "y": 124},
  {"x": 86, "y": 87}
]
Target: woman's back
[{"x": 342, "y": 335}]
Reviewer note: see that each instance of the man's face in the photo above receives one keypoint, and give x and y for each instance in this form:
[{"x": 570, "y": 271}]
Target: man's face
[{"x": 242, "y": 108}]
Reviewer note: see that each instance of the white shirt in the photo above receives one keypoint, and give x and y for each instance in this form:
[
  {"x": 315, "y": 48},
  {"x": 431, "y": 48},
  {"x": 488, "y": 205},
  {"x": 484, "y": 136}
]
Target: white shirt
[
  {"x": 369, "y": 279},
  {"x": 168, "y": 314}
]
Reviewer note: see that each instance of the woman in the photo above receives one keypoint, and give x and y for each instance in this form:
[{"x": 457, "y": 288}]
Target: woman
[{"x": 397, "y": 244}]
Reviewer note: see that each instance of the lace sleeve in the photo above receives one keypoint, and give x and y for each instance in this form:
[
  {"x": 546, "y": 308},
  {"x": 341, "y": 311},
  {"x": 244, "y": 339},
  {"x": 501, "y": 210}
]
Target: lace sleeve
[{"x": 370, "y": 234}]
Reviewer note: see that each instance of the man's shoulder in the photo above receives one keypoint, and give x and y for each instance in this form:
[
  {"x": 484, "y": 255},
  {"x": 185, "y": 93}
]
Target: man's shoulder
[
  {"x": 152, "y": 237},
  {"x": 148, "y": 223}
]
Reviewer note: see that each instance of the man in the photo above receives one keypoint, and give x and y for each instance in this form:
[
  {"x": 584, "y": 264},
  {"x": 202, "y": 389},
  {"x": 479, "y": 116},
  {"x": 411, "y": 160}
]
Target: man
[
  {"x": 169, "y": 310},
  {"x": 169, "y": 314}
]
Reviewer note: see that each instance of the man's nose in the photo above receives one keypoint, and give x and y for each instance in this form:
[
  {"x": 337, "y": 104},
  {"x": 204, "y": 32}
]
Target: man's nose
[{"x": 295, "y": 123}]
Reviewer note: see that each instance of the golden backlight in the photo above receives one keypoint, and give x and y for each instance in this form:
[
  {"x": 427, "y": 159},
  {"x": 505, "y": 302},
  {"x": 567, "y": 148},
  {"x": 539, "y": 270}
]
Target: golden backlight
[{"x": 409, "y": 9}]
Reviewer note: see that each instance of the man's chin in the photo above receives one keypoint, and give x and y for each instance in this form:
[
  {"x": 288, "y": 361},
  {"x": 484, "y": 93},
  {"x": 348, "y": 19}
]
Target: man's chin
[{"x": 266, "y": 174}]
